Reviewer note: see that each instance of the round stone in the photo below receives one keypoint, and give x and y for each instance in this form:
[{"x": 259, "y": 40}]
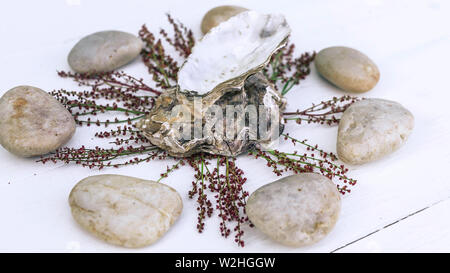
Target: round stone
[
  {"x": 104, "y": 51},
  {"x": 297, "y": 210},
  {"x": 123, "y": 210},
  {"x": 372, "y": 128},
  {"x": 347, "y": 68},
  {"x": 218, "y": 15},
  {"x": 33, "y": 122}
]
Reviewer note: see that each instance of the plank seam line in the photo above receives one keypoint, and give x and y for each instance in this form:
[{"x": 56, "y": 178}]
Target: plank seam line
[{"x": 391, "y": 224}]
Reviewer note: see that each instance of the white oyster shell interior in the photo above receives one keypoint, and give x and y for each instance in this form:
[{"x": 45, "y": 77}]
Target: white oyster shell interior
[{"x": 242, "y": 43}]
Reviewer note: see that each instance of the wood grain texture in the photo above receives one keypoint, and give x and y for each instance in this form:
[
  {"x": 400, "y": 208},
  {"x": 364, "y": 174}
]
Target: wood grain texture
[{"x": 408, "y": 40}]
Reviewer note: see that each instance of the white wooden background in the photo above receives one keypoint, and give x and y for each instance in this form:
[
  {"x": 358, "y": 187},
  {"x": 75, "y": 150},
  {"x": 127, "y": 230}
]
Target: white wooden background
[{"x": 401, "y": 203}]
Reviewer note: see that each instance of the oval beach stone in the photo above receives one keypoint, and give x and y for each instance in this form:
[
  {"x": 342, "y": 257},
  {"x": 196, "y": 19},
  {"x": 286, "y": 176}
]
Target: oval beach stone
[
  {"x": 33, "y": 122},
  {"x": 104, "y": 51},
  {"x": 297, "y": 210},
  {"x": 372, "y": 128},
  {"x": 218, "y": 15},
  {"x": 347, "y": 68},
  {"x": 123, "y": 210}
]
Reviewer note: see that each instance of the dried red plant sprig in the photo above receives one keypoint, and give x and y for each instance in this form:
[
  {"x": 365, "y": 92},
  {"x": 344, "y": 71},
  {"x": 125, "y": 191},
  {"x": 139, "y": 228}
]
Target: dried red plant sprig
[
  {"x": 326, "y": 112},
  {"x": 124, "y": 135},
  {"x": 231, "y": 199},
  {"x": 169, "y": 170},
  {"x": 127, "y": 142},
  {"x": 118, "y": 92},
  {"x": 309, "y": 147},
  {"x": 183, "y": 39},
  {"x": 225, "y": 183},
  {"x": 285, "y": 71},
  {"x": 100, "y": 158},
  {"x": 313, "y": 160},
  {"x": 204, "y": 205},
  {"x": 116, "y": 80},
  {"x": 162, "y": 66}
]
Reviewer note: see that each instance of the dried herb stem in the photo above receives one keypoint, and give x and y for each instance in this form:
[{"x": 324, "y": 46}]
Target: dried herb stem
[{"x": 326, "y": 112}]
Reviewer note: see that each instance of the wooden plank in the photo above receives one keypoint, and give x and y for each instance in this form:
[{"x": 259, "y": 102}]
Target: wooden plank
[
  {"x": 409, "y": 52},
  {"x": 427, "y": 230}
]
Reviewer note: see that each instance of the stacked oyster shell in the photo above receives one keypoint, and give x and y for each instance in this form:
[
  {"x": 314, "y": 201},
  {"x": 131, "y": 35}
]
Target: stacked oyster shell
[{"x": 222, "y": 73}]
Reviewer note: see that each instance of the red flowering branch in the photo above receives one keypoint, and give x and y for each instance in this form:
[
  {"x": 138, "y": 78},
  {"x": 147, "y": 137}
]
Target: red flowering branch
[
  {"x": 326, "y": 112},
  {"x": 99, "y": 158},
  {"x": 126, "y": 142},
  {"x": 285, "y": 71},
  {"x": 162, "y": 66},
  {"x": 224, "y": 183},
  {"x": 116, "y": 80},
  {"x": 183, "y": 39},
  {"x": 118, "y": 92},
  {"x": 313, "y": 160}
]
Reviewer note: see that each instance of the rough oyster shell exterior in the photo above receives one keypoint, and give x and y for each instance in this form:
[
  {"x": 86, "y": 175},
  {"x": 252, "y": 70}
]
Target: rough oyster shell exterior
[
  {"x": 161, "y": 126},
  {"x": 209, "y": 80}
]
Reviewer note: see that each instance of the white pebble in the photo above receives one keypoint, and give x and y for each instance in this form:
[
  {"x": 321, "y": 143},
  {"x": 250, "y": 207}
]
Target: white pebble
[
  {"x": 297, "y": 210},
  {"x": 104, "y": 51},
  {"x": 124, "y": 210},
  {"x": 372, "y": 128}
]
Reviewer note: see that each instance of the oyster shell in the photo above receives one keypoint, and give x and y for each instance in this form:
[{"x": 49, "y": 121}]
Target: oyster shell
[
  {"x": 232, "y": 51},
  {"x": 223, "y": 104}
]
